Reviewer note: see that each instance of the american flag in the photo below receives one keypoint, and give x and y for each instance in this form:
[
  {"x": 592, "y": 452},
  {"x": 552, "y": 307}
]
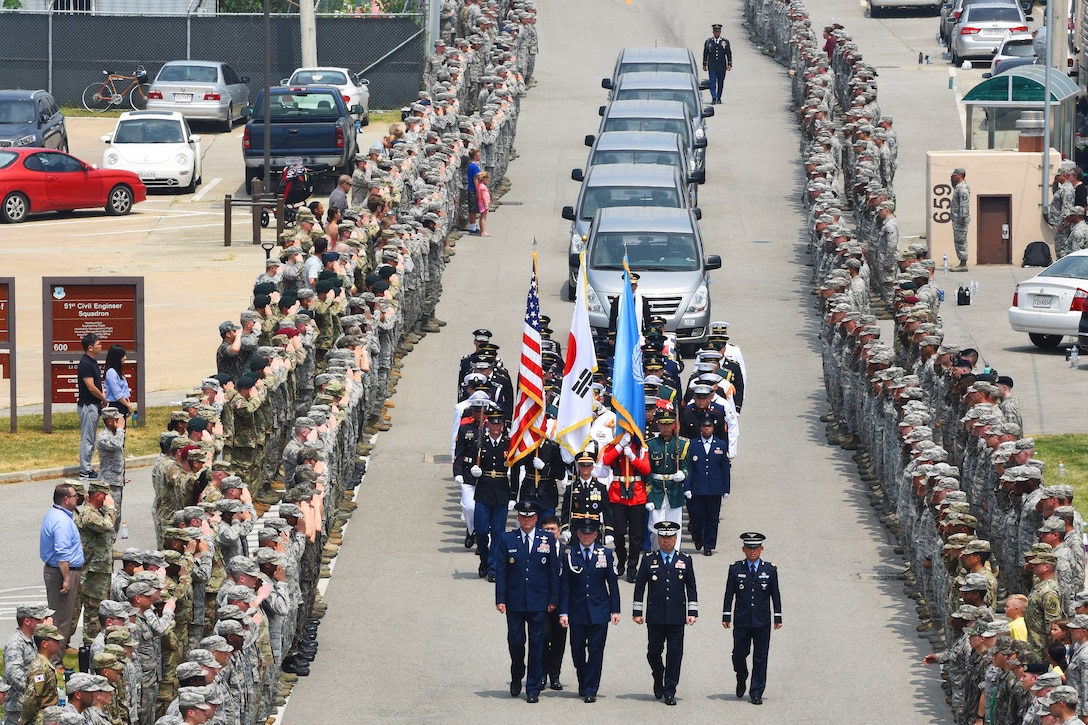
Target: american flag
[{"x": 528, "y": 424}]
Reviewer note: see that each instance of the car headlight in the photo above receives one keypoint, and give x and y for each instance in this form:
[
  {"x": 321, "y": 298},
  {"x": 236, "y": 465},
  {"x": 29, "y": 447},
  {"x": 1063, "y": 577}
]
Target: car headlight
[
  {"x": 699, "y": 301},
  {"x": 24, "y": 141},
  {"x": 577, "y": 243},
  {"x": 112, "y": 159},
  {"x": 700, "y": 132},
  {"x": 182, "y": 159},
  {"x": 593, "y": 301}
]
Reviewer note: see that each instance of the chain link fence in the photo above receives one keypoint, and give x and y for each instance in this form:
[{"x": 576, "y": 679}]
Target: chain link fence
[{"x": 64, "y": 52}]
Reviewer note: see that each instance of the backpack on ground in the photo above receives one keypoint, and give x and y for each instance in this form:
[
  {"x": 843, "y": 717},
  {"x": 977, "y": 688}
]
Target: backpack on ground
[
  {"x": 963, "y": 296},
  {"x": 1037, "y": 254}
]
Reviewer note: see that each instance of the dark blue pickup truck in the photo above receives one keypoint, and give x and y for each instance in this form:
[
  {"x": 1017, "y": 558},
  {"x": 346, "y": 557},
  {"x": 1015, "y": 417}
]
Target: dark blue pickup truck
[{"x": 308, "y": 122}]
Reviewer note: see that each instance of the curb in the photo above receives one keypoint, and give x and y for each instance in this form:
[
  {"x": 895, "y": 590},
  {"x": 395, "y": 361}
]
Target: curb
[{"x": 42, "y": 474}]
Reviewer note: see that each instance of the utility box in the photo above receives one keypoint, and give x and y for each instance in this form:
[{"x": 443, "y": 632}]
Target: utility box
[{"x": 1006, "y": 204}]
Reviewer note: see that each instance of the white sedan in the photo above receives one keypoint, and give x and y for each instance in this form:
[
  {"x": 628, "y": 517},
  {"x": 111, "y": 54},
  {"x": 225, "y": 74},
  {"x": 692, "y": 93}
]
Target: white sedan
[
  {"x": 158, "y": 146},
  {"x": 1048, "y": 306},
  {"x": 355, "y": 90}
]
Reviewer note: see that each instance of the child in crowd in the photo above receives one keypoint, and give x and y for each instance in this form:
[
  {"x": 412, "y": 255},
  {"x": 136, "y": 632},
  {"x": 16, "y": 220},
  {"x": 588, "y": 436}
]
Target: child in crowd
[{"x": 483, "y": 197}]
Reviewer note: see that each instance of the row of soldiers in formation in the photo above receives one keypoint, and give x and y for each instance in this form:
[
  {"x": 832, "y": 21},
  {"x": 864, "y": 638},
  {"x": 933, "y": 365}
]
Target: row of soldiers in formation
[
  {"x": 261, "y": 454},
  {"x": 937, "y": 440},
  {"x": 630, "y": 486}
]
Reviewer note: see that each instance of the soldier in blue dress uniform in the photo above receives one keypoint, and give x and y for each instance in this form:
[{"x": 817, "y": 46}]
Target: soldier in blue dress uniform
[
  {"x": 707, "y": 484},
  {"x": 666, "y": 600},
  {"x": 751, "y": 588},
  {"x": 589, "y": 598},
  {"x": 717, "y": 59},
  {"x": 526, "y": 589}
]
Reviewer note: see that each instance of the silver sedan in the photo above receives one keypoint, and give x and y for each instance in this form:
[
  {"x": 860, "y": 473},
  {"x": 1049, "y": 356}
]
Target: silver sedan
[{"x": 200, "y": 90}]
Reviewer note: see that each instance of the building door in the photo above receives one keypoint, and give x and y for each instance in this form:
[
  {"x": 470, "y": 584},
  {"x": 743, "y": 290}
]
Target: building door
[{"x": 993, "y": 243}]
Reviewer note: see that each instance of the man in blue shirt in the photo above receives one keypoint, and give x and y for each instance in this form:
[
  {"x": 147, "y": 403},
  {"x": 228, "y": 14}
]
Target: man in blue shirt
[{"x": 61, "y": 551}]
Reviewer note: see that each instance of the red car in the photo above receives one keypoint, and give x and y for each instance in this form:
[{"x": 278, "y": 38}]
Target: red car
[{"x": 34, "y": 180}]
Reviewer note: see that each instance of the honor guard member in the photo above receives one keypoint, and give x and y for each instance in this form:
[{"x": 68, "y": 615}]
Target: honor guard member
[
  {"x": 526, "y": 589},
  {"x": 717, "y": 59},
  {"x": 707, "y": 485},
  {"x": 555, "y": 639},
  {"x": 586, "y": 498},
  {"x": 753, "y": 585},
  {"x": 589, "y": 597},
  {"x": 486, "y": 469},
  {"x": 627, "y": 495},
  {"x": 668, "y": 470},
  {"x": 539, "y": 476},
  {"x": 666, "y": 599},
  {"x": 465, "y": 448},
  {"x": 479, "y": 337},
  {"x": 702, "y": 404}
]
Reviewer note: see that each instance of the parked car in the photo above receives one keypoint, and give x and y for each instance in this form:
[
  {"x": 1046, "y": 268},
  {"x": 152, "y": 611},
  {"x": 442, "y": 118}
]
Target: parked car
[
  {"x": 34, "y": 180},
  {"x": 644, "y": 147},
  {"x": 981, "y": 27},
  {"x": 1015, "y": 47},
  {"x": 157, "y": 146},
  {"x": 355, "y": 90},
  {"x": 682, "y": 87},
  {"x": 660, "y": 60},
  {"x": 31, "y": 118},
  {"x": 668, "y": 116},
  {"x": 1049, "y": 305},
  {"x": 951, "y": 11},
  {"x": 625, "y": 185},
  {"x": 665, "y": 248},
  {"x": 877, "y": 7},
  {"x": 200, "y": 90}
]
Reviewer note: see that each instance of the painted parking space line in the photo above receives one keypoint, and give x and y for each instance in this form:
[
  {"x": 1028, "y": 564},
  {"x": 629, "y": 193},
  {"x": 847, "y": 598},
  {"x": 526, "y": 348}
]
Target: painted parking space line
[{"x": 204, "y": 189}]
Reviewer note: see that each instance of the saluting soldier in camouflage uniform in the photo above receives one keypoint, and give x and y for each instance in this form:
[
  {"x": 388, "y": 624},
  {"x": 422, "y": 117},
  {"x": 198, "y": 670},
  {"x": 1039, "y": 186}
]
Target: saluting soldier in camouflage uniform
[
  {"x": 960, "y": 213},
  {"x": 148, "y": 629},
  {"x": 1078, "y": 232},
  {"x": 111, "y": 457},
  {"x": 95, "y": 519},
  {"x": 1057, "y": 214},
  {"x": 113, "y": 669},
  {"x": 40, "y": 690},
  {"x": 245, "y": 451}
]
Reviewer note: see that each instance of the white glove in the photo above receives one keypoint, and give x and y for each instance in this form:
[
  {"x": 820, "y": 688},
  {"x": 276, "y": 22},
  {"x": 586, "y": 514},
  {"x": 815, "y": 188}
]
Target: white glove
[
  {"x": 476, "y": 471},
  {"x": 563, "y": 484},
  {"x": 626, "y": 439},
  {"x": 629, "y": 453},
  {"x": 649, "y": 505},
  {"x": 679, "y": 476},
  {"x": 459, "y": 479},
  {"x": 565, "y": 536},
  {"x": 538, "y": 464},
  {"x": 609, "y": 540},
  {"x": 687, "y": 494},
  {"x": 725, "y": 496},
  {"x": 511, "y": 504}
]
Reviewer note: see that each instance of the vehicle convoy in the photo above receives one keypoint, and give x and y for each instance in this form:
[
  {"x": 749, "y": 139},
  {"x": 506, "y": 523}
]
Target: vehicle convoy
[
  {"x": 1049, "y": 305},
  {"x": 34, "y": 180},
  {"x": 310, "y": 123},
  {"x": 680, "y": 87},
  {"x": 657, "y": 60},
  {"x": 668, "y": 116},
  {"x": 665, "y": 248},
  {"x": 654, "y": 148}
]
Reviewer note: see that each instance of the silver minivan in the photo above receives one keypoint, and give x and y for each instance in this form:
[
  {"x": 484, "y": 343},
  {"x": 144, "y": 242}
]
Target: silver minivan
[
  {"x": 644, "y": 147},
  {"x": 680, "y": 87},
  {"x": 668, "y": 116},
  {"x": 660, "y": 59},
  {"x": 623, "y": 185},
  {"x": 665, "y": 248}
]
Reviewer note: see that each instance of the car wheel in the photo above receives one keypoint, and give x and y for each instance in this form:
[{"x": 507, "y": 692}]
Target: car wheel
[
  {"x": 229, "y": 124},
  {"x": 571, "y": 292},
  {"x": 955, "y": 59},
  {"x": 15, "y": 208},
  {"x": 1045, "y": 342},
  {"x": 366, "y": 118},
  {"x": 874, "y": 11},
  {"x": 119, "y": 202},
  {"x": 191, "y": 187}
]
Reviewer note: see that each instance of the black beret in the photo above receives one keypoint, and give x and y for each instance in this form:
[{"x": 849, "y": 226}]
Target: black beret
[
  {"x": 264, "y": 288},
  {"x": 261, "y": 301},
  {"x": 258, "y": 363}
]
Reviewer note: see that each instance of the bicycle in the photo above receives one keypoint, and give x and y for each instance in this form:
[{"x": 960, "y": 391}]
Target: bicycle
[{"x": 113, "y": 91}]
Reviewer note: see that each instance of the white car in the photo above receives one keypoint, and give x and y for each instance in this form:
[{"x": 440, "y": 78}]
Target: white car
[
  {"x": 1048, "y": 306},
  {"x": 1017, "y": 47},
  {"x": 355, "y": 90},
  {"x": 156, "y": 145}
]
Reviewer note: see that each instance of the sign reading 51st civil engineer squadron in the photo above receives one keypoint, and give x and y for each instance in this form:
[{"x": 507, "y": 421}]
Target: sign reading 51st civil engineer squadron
[{"x": 109, "y": 307}]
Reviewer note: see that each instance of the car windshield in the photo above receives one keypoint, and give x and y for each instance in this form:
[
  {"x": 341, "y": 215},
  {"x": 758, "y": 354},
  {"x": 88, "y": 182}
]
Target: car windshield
[
  {"x": 17, "y": 112},
  {"x": 298, "y": 105},
  {"x": 188, "y": 74},
  {"x": 603, "y": 197},
  {"x": 669, "y": 125},
  {"x": 151, "y": 130},
  {"x": 661, "y": 158},
  {"x": 978, "y": 14},
  {"x": 7, "y": 158},
  {"x": 655, "y": 67},
  {"x": 1072, "y": 267},
  {"x": 323, "y": 78},
  {"x": 1019, "y": 49},
  {"x": 659, "y": 94},
  {"x": 646, "y": 252}
]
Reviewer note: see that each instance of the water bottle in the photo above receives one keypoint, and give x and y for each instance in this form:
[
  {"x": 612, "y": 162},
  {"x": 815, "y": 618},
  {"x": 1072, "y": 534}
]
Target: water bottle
[
  {"x": 124, "y": 529},
  {"x": 1074, "y": 357},
  {"x": 1061, "y": 470},
  {"x": 946, "y": 264},
  {"x": 62, "y": 696}
]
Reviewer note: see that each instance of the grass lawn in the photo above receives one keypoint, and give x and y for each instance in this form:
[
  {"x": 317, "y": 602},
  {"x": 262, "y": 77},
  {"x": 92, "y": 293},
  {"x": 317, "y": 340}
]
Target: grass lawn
[
  {"x": 1072, "y": 450},
  {"x": 31, "y": 449}
]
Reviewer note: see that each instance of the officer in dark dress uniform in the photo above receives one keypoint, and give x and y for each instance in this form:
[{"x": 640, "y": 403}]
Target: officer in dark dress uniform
[
  {"x": 702, "y": 405},
  {"x": 526, "y": 589},
  {"x": 717, "y": 59},
  {"x": 555, "y": 636},
  {"x": 707, "y": 483},
  {"x": 586, "y": 498},
  {"x": 479, "y": 337},
  {"x": 753, "y": 583},
  {"x": 539, "y": 475},
  {"x": 589, "y": 597},
  {"x": 484, "y": 466},
  {"x": 666, "y": 600}
]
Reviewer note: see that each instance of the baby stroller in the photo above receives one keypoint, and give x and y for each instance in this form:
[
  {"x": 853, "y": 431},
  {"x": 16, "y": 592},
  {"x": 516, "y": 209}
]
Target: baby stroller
[{"x": 295, "y": 187}]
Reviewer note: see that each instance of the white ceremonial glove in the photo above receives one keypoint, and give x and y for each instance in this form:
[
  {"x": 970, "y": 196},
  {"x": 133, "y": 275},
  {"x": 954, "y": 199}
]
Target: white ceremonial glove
[
  {"x": 538, "y": 464},
  {"x": 476, "y": 471},
  {"x": 649, "y": 505},
  {"x": 687, "y": 494},
  {"x": 626, "y": 439},
  {"x": 565, "y": 536},
  {"x": 629, "y": 453},
  {"x": 459, "y": 479},
  {"x": 563, "y": 484},
  {"x": 725, "y": 496},
  {"x": 679, "y": 476},
  {"x": 510, "y": 505},
  {"x": 610, "y": 540}
]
